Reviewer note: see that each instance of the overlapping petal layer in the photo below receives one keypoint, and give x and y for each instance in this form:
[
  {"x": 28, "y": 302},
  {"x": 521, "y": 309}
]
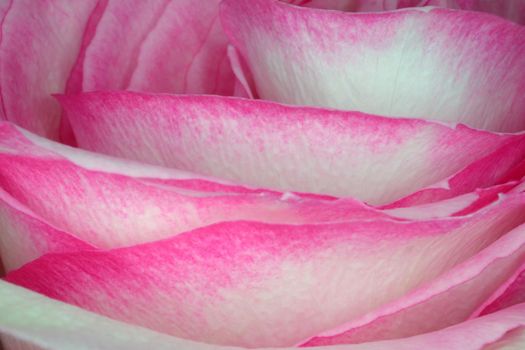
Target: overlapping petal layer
[
  {"x": 510, "y": 294},
  {"x": 433, "y": 63},
  {"x": 298, "y": 280},
  {"x": 289, "y": 148},
  {"x": 25, "y": 237},
  {"x": 38, "y": 38},
  {"x": 110, "y": 203},
  {"x": 57, "y": 46},
  {"x": 450, "y": 299},
  {"x": 30, "y": 318},
  {"x": 139, "y": 46}
]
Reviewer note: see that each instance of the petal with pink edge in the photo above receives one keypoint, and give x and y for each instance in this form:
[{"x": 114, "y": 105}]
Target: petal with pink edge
[
  {"x": 434, "y": 63},
  {"x": 38, "y": 48},
  {"x": 450, "y": 299},
  {"x": 34, "y": 320},
  {"x": 286, "y": 273},
  {"x": 265, "y": 144},
  {"x": 108, "y": 203}
]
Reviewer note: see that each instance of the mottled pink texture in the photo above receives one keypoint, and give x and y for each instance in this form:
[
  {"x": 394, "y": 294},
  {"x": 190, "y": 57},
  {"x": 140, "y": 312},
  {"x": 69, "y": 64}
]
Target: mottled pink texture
[
  {"x": 285, "y": 273},
  {"x": 264, "y": 144},
  {"x": 109, "y": 202},
  {"x": 440, "y": 64},
  {"x": 39, "y": 37}
]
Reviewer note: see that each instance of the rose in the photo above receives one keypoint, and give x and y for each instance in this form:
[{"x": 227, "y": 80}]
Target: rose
[{"x": 231, "y": 261}]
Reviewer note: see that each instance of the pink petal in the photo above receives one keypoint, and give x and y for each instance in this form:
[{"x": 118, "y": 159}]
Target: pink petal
[
  {"x": 513, "y": 293},
  {"x": 25, "y": 237},
  {"x": 138, "y": 45},
  {"x": 298, "y": 280},
  {"x": 244, "y": 84},
  {"x": 25, "y": 316},
  {"x": 195, "y": 62},
  {"x": 440, "y": 64},
  {"x": 38, "y": 47},
  {"x": 108, "y": 203},
  {"x": 513, "y": 10},
  {"x": 264, "y": 144},
  {"x": 447, "y": 300},
  {"x": 503, "y": 165}
]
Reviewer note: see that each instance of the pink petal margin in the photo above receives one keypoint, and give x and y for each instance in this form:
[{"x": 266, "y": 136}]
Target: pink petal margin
[
  {"x": 31, "y": 319},
  {"x": 432, "y": 63},
  {"x": 264, "y": 144},
  {"x": 109, "y": 202},
  {"x": 299, "y": 280}
]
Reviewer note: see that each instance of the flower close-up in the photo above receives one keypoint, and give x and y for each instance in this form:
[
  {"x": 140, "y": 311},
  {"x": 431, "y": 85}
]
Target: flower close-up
[{"x": 262, "y": 174}]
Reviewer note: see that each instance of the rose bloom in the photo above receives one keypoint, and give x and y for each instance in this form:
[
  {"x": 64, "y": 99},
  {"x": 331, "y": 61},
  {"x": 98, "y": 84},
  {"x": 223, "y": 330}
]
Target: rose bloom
[{"x": 205, "y": 174}]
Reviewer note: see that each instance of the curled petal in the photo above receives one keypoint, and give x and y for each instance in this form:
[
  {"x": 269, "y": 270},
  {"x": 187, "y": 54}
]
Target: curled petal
[
  {"x": 434, "y": 63},
  {"x": 303, "y": 149},
  {"x": 298, "y": 280}
]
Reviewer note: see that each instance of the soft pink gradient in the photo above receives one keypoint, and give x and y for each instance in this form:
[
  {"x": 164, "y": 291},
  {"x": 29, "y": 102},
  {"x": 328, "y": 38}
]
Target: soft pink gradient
[
  {"x": 38, "y": 37},
  {"x": 440, "y": 64},
  {"x": 449, "y": 299},
  {"x": 56, "y": 46},
  {"x": 24, "y": 236},
  {"x": 198, "y": 284},
  {"x": 264, "y": 144},
  {"x": 25, "y": 316}
]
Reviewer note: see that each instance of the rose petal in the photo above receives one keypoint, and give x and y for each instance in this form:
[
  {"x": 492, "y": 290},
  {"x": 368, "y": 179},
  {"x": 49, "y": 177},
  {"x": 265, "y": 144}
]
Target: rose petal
[
  {"x": 513, "y": 10},
  {"x": 244, "y": 85},
  {"x": 25, "y": 237},
  {"x": 195, "y": 62},
  {"x": 38, "y": 48},
  {"x": 287, "y": 274},
  {"x": 503, "y": 165},
  {"x": 513, "y": 293},
  {"x": 137, "y": 45},
  {"x": 448, "y": 300},
  {"x": 440, "y": 64},
  {"x": 35, "y": 319},
  {"x": 287, "y": 148},
  {"x": 91, "y": 197}
]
